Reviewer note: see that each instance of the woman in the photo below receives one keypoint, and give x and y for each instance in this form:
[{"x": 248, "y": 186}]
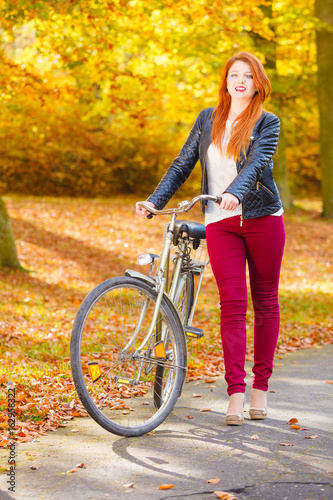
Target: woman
[{"x": 235, "y": 143}]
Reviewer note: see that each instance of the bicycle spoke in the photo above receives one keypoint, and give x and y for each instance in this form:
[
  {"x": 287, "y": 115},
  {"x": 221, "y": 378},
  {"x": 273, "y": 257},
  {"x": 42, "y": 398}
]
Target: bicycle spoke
[{"x": 131, "y": 390}]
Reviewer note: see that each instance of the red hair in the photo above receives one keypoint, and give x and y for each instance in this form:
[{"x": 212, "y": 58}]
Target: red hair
[{"x": 243, "y": 125}]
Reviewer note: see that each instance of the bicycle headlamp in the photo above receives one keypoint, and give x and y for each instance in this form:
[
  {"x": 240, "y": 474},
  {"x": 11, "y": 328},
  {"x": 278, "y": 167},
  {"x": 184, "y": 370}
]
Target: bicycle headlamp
[{"x": 144, "y": 259}]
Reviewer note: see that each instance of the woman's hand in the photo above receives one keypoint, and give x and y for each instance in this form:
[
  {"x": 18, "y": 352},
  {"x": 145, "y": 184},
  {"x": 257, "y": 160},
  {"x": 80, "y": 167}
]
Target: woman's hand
[
  {"x": 142, "y": 211},
  {"x": 229, "y": 202}
]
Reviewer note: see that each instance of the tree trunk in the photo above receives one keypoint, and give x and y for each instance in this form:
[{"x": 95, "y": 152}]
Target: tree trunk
[
  {"x": 8, "y": 254},
  {"x": 268, "y": 48},
  {"x": 324, "y": 10},
  {"x": 281, "y": 172}
]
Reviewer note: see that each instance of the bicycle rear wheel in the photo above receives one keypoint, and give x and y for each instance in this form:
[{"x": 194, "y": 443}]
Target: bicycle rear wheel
[
  {"x": 183, "y": 308},
  {"x": 116, "y": 383},
  {"x": 186, "y": 299}
]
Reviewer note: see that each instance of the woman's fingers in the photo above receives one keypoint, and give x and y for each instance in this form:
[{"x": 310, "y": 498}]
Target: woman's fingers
[
  {"x": 229, "y": 202},
  {"x": 142, "y": 211}
]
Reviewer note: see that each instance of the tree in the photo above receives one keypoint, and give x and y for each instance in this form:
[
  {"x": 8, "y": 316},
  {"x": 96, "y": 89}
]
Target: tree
[
  {"x": 324, "y": 11},
  {"x": 93, "y": 86},
  {"x": 267, "y": 46},
  {"x": 8, "y": 254}
]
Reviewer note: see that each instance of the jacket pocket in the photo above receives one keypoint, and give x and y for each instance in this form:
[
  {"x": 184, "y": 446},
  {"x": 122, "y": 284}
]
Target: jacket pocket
[
  {"x": 267, "y": 194},
  {"x": 260, "y": 184}
]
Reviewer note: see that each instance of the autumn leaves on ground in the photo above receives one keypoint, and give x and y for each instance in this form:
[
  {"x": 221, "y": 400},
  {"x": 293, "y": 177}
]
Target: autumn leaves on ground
[{"x": 68, "y": 246}]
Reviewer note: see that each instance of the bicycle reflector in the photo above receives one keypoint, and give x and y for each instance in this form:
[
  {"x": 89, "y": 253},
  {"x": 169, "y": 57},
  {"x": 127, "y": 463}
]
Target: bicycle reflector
[
  {"x": 144, "y": 259},
  {"x": 95, "y": 371},
  {"x": 159, "y": 350}
]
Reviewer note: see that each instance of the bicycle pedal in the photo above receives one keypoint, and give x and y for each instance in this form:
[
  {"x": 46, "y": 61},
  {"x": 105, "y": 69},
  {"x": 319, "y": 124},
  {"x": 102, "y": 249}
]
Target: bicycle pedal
[
  {"x": 193, "y": 333},
  {"x": 122, "y": 380}
]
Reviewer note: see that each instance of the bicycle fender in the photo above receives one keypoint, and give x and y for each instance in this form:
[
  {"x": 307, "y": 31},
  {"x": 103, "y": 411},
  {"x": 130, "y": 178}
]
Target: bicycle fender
[{"x": 135, "y": 274}]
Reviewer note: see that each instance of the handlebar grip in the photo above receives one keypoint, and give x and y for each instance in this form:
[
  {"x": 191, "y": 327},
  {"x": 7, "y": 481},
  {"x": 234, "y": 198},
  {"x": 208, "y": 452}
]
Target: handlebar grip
[
  {"x": 218, "y": 199},
  {"x": 150, "y": 216}
]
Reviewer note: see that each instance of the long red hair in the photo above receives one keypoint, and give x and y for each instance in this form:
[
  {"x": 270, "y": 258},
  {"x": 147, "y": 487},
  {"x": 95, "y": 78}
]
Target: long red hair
[{"x": 242, "y": 127}]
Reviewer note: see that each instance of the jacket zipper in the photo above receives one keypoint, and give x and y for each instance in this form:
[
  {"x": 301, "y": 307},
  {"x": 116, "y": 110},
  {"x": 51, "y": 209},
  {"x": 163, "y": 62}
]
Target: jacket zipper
[
  {"x": 260, "y": 183},
  {"x": 203, "y": 174}
]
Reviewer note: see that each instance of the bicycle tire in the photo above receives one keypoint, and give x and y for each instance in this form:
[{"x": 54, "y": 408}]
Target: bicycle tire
[
  {"x": 121, "y": 399},
  {"x": 186, "y": 299},
  {"x": 183, "y": 309}
]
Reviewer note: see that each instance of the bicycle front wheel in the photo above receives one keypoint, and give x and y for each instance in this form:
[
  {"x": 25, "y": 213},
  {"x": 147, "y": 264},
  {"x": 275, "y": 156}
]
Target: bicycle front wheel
[{"x": 117, "y": 369}]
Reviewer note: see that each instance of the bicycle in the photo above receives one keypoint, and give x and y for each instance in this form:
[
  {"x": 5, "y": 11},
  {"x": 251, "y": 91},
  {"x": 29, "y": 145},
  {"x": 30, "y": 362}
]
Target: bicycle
[{"x": 128, "y": 346}]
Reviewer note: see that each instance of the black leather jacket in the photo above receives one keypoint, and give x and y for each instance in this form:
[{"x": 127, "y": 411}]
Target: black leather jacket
[{"x": 254, "y": 185}]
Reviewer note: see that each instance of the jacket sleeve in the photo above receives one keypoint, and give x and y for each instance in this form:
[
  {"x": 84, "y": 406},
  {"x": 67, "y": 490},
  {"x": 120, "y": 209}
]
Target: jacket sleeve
[
  {"x": 180, "y": 168},
  {"x": 259, "y": 156}
]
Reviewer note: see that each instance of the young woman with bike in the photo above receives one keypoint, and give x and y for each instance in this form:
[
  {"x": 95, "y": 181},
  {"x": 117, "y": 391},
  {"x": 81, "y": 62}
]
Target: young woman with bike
[{"x": 235, "y": 142}]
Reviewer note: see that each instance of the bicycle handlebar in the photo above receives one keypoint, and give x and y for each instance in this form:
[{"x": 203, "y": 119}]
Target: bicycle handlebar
[{"x": 183, "y": 206}]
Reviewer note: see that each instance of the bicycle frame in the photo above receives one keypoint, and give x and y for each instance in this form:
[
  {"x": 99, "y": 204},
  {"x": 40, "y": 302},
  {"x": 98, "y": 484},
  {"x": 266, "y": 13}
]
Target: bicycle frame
[{"x": 161, "y": 279}]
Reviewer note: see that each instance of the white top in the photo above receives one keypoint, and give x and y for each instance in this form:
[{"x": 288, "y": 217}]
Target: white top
[{"x": 221, "y": 171}]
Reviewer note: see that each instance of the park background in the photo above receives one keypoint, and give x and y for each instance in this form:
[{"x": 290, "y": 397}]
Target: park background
[{"x": 97, "y": 98}]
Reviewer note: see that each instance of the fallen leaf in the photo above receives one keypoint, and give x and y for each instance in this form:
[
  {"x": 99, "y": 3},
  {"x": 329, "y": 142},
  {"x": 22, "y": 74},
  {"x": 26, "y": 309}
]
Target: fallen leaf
[
  {"x": 295, "y": 427},
  {"x": 205, "y": 409},
  {"x": 71, "y": 471},
  {"x": 128, "y": 485},
  {"x": 311, "y": 437},
  {"x": 79, "y": 466},
  {"x": 32, "y": 453},
  {"x": 44, "y": 388},
  {"x": 166, "y": 486},
  {"x": 287, "y": 444},
  {"x": 329, "y": 381},
  {"x": 255, "y": 436},
  {"x": 210, "y": 381},
  {"x": 34, "y": 467},
  {"x": 213, "y": 481},
  {"x": 224, "y": 495},
  {"x": 277, "y": 364},
  {"x": 304, "y": 428},
  {"x": 272, "y": 391},
  {"x": 75, "y": 430},
  {"x": 293, "y": 421},
  {"x": 196, "y": 395},
  {"x": 189, "y": 416}
]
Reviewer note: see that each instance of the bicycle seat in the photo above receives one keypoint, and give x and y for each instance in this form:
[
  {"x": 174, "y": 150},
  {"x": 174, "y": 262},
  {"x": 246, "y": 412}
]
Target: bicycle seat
[{"x": 193, "y": 229}]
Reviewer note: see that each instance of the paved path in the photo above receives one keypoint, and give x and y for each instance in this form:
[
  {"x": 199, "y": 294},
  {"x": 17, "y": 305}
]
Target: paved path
[{"x": 188, "y": 452}]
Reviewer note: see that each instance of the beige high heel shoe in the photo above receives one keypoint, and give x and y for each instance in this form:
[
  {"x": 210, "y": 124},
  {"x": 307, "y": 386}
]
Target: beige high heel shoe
[
  {"x": 235, "y": 418},
  {"x": 258, "y": 413}
]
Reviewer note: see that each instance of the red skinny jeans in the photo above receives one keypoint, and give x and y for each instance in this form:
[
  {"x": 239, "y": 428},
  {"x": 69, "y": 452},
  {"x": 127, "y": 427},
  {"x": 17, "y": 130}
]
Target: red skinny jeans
[{"x": 260, "y": 242}]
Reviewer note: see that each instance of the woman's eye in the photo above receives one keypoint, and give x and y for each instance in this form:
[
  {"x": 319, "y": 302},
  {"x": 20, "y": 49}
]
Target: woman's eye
[{"x": 250, "y": 76}]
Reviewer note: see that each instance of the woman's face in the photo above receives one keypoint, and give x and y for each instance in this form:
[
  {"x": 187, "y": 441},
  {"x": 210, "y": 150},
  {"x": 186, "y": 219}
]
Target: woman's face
[{"x": 240, "y": 83}]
